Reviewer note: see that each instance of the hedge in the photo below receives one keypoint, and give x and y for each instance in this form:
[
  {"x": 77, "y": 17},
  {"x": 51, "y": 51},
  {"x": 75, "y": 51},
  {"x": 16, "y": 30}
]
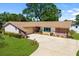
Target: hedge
[{"x": 13, "y": 34}]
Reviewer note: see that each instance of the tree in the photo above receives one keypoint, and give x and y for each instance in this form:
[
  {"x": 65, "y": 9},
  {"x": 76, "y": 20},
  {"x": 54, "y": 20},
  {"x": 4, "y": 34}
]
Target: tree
[
  {"x": 4, "y": 17},
  {"x": 21, "y": 17},
  {"x": 77, "y": 19},
  {"x": 42, "y": 11}
]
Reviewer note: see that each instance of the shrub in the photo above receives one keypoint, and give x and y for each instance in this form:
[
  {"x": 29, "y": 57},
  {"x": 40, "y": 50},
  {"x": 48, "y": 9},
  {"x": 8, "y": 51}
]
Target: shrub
[
  {"x": 2, "y": 42},
  {"x": 34, "y": 42},
  {"x": 70, "y": 35},
  {"x": 13, "y": 34},
  {"x": 0, "y": 31},
  {"x": 72, "y": 32},
  {"x": 51, "y": 34}
]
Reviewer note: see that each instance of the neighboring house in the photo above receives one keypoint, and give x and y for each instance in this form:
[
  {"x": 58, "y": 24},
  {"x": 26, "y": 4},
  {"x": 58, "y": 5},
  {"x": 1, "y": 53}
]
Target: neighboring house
[
  {"x": 55, "y": 28},
  {"x": 75, "y": 28}
]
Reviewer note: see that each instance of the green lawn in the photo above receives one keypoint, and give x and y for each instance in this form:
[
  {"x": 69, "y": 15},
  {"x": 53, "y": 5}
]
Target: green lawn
[
  {"x": 75, "y": 36},
  {"x": 77, "y": 54},
  {"x": 17, "y": 47}
]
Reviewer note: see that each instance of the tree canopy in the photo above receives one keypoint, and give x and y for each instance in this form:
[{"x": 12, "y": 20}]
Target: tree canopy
[
  {"x": 4, "y": 17},
  {"x": 42, "y": 11},
  {"x": 77, "y": 19}
]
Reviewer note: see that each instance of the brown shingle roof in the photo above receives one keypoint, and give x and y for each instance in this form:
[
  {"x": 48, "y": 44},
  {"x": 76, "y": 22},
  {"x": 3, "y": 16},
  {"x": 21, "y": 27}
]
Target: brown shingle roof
[{"x": 55, "y": 24}]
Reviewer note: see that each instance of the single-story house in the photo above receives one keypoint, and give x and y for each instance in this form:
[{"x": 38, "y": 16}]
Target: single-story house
[{"x": 55, "y": 28}]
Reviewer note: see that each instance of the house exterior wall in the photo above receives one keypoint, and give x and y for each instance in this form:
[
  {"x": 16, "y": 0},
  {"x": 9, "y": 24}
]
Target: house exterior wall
[
  {"x": 47, "y": 33},
  {"x": 75, "y": 29},
  {"x": 11, "y": 28},
  {"x": 54, "y": 33},
  {"x": 52, "y": 30},
  {"x": 29, "y": 30}
]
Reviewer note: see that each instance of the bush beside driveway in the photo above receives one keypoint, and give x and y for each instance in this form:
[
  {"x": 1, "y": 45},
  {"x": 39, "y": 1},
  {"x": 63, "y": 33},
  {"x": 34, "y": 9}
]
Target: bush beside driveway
[{"x": 55, "y": 46}]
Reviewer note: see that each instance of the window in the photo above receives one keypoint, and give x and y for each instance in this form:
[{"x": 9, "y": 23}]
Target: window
[{"x": 46, "y": 29}]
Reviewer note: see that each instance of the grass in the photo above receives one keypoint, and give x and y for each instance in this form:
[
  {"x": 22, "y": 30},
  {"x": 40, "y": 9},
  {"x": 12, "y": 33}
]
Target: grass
[
  {"x": 77, "y": 53},
  {"x": 17, "y": 47},
  {"x": 75, "y": 36}
]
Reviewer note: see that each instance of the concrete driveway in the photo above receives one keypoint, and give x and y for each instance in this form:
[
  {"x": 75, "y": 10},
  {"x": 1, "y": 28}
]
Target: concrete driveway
[{"x": 54, "y": 46}]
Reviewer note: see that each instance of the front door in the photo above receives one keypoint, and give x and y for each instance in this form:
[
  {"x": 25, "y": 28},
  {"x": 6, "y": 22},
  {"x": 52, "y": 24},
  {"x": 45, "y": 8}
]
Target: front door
[{"x": 36, "y": 29}]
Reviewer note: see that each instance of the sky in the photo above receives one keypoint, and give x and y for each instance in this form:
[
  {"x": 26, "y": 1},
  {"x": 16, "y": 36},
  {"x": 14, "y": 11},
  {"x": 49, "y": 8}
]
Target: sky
[
  {"x": 69, "y": 10},
  {"x": 12, "y": 7}
]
